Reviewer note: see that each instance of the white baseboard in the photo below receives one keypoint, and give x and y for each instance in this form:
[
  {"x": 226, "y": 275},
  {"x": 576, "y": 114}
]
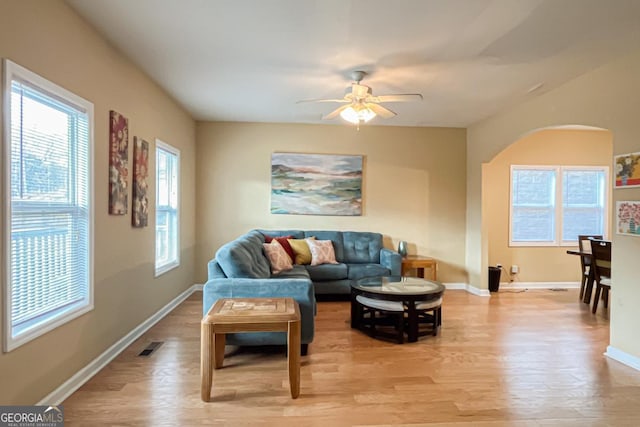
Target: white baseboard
[
  {"x": 539, "y": 285},
  {"x": 471, "y": 289},
  {"x": 65, "y": 390},
  {"x": 623, "y": 357}
]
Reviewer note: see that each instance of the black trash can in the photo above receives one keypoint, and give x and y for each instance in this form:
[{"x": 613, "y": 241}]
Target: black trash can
[{"x": 494, "y": 279}]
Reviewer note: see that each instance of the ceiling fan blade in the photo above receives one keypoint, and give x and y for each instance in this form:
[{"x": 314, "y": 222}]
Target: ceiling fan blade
[
  {"x": 336, "y": 112},
  {"x": 400, "y": 97},
  {"x": 381, "y": 111},
  {"x": 341, "y": 100}
]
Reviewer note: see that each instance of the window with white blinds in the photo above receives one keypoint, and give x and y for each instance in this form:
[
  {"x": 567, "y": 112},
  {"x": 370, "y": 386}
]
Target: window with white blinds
[
  {"x": 552, "y": 205},
  {"x": 167, "y": 202},
  {"x": 48, "y": 228}
]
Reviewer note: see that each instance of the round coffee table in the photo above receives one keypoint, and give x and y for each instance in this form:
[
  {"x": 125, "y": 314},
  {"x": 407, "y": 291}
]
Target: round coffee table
[{"x": 408, "y": 300}]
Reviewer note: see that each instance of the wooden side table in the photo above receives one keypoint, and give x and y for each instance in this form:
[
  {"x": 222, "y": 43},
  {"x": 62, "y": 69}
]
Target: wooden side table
[
  {"x": 235, "y": 315},
  {"x": 420, "y": 263}
]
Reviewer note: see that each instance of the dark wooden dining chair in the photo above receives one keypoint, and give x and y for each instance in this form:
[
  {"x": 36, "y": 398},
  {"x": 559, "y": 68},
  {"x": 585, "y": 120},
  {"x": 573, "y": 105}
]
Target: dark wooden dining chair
[
  {"x": 586, "y": 283},
  {"x": 601, "y": 257}
]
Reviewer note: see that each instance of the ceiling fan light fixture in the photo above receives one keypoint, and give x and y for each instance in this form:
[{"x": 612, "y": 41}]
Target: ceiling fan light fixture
[{"x": 357, "y": 114}]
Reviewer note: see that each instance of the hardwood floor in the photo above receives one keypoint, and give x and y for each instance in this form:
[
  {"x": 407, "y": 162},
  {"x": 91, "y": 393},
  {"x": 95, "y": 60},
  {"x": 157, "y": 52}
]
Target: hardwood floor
[{"x": 515, "y": 359}]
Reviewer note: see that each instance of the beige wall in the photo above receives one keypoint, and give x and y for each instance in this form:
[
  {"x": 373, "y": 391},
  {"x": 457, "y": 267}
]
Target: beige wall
[
  {"x": 48, "y": 38},
  {"x": 608, "y": 98},
  {"x": 414, "y": 185},
  {"x": 546, "y": 147}
]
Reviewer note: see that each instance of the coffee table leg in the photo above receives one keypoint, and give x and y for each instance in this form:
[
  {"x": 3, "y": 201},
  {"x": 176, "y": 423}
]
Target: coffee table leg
[
  {"x": 206, "y": 371},
  {"x": 219, "y": 341},
  {"x": 293, "y": 356}
]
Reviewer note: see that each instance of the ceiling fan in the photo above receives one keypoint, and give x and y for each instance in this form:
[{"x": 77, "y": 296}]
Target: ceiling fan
[{"x": 361, "y": 104}]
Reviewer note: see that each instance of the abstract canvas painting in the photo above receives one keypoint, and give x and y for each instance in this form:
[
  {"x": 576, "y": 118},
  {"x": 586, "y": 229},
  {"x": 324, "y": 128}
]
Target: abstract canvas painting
[
  {"x": 316, "y": 184},
  {"x": 140, "y": 205},
  {"x": 118, "y": 163},
  {"x": 628, "y": 215}
]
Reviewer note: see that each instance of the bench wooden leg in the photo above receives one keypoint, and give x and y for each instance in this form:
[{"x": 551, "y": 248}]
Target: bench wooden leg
[
  {"x": 293, "y": 356},
  {"x": 400, "y": 327},
  {"x": 412, "y": 322},
  {"x": 437, "y": 320}
]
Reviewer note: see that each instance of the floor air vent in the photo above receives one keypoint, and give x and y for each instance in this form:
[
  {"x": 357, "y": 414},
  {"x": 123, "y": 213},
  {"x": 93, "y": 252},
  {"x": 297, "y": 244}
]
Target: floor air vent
[{"x": 150, "y": 348}]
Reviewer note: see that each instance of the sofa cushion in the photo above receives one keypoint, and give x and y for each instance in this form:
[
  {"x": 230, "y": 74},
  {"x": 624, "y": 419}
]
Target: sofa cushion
[
  {"x": 278, "y": 257},
  {"x": 321, "y": 252},
  {"x": 334, "y": 236},
  {"x": 215, "y": 271},
  {"x": 327, "y": 272},
  {"x": 301, "y": 250},
  {"x": 358, "y": 271},
  {"x": 243, "y": 257},
  {"x": 361, "y": 247},
  {"x": 297, "y": 272}
]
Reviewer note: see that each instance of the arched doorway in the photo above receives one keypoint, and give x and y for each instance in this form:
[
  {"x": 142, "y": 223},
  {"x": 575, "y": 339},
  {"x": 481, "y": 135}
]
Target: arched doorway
[{"x": 539, "y": 265}]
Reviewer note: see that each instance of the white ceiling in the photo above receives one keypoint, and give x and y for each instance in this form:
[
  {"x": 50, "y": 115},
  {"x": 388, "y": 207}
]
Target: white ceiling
[{"x": 251, "y": 60}]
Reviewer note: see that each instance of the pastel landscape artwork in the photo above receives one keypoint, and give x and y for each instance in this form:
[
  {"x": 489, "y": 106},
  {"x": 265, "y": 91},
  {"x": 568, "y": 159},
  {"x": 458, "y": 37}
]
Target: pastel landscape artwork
[{"x": 316, "y": 184}]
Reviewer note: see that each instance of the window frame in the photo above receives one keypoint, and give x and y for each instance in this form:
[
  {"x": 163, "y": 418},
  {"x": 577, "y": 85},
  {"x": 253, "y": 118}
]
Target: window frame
[
  {"x": 559, "y": 206},
  {"x": 168, "y": 266},
  {"x": 15, "y": 72}
]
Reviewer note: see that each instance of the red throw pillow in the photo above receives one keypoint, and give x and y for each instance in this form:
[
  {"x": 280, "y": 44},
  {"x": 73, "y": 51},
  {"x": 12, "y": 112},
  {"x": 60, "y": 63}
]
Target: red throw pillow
[{"x": 284, "y": 242}]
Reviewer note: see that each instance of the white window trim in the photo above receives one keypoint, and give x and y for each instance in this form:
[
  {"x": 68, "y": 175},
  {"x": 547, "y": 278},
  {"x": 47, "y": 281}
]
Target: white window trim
[
  {"x": 558, "y": 242},
  {"x": 160, "y": 270},
  {"x": 12, "y": 71}
]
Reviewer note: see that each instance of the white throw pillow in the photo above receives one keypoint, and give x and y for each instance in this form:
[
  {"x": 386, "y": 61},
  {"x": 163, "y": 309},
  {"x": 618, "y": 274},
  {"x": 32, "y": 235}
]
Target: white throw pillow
[
  {"x": 278, "y": 257},
  {"x": 321, "y": 252}
]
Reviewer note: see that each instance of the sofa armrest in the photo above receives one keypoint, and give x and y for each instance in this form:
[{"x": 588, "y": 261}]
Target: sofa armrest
[
  {"x": 301, "y": 290},
  {"x": 391, "y": 260},
  {"x": 214, "y": 270}
]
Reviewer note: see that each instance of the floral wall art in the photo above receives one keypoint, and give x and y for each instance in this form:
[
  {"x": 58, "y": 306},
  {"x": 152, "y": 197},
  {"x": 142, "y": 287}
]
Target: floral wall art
[
  {"x": 627, "y": 167},
  {"x": 628, "y": 214},
  {"x": 140, "y": 202},
  {"x": 316, "y": 184},
  {"x": 118, "y": 163}
]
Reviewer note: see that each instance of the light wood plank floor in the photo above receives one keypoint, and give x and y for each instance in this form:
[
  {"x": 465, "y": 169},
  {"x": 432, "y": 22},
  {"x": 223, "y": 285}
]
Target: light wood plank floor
[{"x": 515, "y": 359}]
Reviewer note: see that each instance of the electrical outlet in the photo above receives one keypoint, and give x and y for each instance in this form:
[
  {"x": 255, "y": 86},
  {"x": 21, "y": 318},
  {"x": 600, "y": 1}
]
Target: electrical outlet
[{"x": 515, "y": 269}]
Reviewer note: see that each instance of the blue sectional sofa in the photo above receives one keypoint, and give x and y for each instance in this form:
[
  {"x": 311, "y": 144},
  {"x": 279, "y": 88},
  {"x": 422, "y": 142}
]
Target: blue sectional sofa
[{"x": 241, "y": 270}]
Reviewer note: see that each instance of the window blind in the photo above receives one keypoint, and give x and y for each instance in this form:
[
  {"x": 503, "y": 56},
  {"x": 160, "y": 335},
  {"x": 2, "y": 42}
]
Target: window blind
[
  {"x": 552, "y": 205},
  {"x": 49, "y": 254},
  {"x": 167, "y": 236},
  {"x": 533, "y": 205},
  {"x": 583, "y": 203}
]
